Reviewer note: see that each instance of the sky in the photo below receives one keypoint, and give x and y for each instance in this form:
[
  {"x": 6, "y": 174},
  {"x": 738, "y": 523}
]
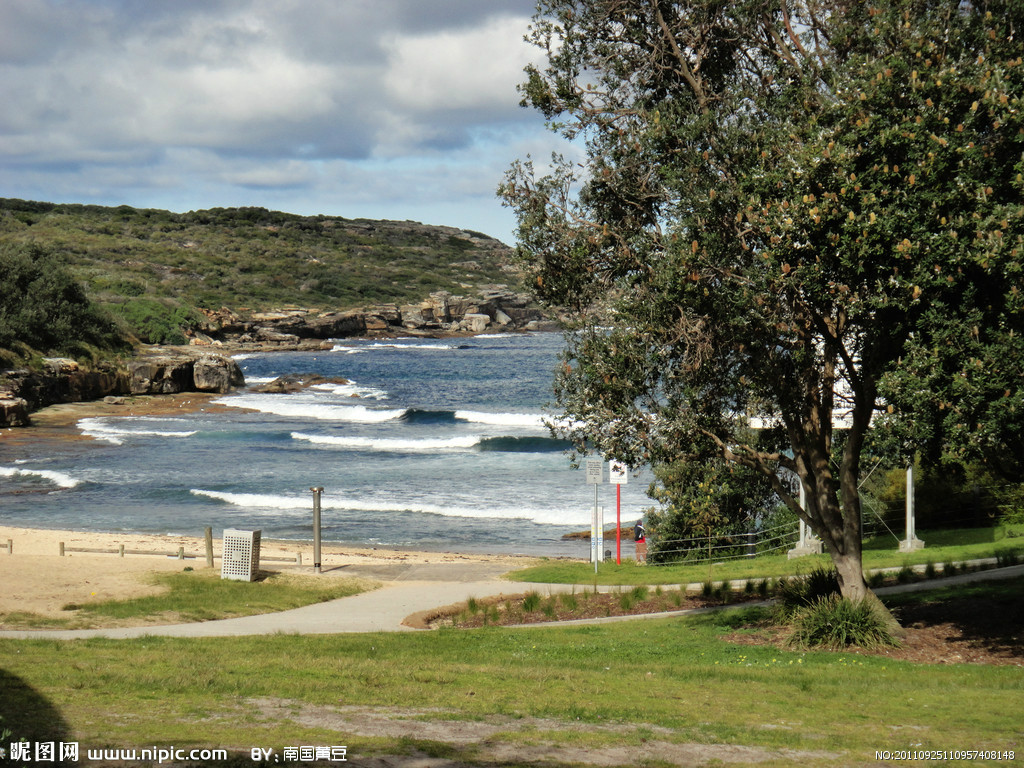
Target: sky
[{"x": 382, "y": 109}]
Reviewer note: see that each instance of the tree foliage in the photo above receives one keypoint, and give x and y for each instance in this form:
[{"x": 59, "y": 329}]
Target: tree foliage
[
  {"x": 44, "y": 307},
  {"x": 799, "y": 215}
]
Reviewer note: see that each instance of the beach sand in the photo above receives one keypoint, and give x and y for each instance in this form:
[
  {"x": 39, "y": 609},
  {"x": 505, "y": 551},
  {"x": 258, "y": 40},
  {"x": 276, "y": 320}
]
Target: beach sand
[{"x": 36, "y": 579}]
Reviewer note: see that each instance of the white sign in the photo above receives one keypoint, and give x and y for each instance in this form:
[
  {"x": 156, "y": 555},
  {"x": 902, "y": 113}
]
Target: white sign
[
  {"x": 618, "y": 473},
  {"x": 595, "y": 471}
]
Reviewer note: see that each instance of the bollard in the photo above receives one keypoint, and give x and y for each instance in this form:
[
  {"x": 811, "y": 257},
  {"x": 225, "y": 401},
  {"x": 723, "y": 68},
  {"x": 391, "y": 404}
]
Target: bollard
[
  {"x": 209, "y": 546},
  {"x": 181, "y": 553},
  {"x": 298, "y": 558},
  {"x": 120, "y": 550},
  {"x": 10, "y": 546},
  {"x": 62, "y": 549}
]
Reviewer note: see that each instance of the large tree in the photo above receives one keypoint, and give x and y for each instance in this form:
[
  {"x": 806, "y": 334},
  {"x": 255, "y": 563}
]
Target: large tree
[{"x": 803, "y": 216}]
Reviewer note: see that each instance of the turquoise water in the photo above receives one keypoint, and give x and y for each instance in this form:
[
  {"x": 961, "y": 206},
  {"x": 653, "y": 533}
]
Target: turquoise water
[{"x": 437, "y": 444}]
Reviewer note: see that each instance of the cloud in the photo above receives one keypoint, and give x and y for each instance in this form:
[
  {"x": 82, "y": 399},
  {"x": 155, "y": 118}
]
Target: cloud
[{"x": 121, "y": 101}]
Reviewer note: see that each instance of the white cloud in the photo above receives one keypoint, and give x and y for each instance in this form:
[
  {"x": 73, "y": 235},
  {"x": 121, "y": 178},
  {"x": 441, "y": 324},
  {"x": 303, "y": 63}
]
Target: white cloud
[
  {"x": 467, "y": 69},
  {"x": 277, "y": 102}
]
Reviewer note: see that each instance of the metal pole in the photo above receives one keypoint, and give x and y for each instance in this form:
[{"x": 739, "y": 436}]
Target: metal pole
[{"x": 316, "y": 527}]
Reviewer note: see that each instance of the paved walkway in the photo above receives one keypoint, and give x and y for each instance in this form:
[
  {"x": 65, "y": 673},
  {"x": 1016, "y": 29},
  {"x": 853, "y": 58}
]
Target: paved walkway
[{"x": 409, "y": 589}]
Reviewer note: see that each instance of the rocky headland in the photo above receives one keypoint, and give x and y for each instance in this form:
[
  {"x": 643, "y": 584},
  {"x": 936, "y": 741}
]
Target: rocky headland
[{"x": 206, "y": 366}]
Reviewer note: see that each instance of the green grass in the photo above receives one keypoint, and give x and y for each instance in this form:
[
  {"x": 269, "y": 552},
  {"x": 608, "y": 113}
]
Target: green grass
[
  {"x": 881, "y": 552},
  {"x": 670, "y": 680},
  {"x": 189, "y": 596}
]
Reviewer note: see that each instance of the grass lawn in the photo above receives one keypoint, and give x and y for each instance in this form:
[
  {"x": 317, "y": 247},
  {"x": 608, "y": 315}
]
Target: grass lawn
[
  {"x": 880, "y": 552},
  {"x": 650, "y": 692},
  {"x": 196, "y": 596}
]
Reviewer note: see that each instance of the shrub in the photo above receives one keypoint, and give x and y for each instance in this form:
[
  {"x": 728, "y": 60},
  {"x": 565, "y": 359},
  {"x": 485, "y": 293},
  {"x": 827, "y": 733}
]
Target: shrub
[
  {"x": 156, "y": 322},
  {"x": 43, "y": 307},
  {"x": 835, "y": 622},
  {"x": 800, "y": 592},
  {"x": 531, "y": 602}
]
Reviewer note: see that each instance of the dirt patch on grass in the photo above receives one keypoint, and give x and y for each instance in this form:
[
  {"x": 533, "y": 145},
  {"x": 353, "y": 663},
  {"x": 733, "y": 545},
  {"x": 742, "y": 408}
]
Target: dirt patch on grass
[{"x": 482, "y": 738}]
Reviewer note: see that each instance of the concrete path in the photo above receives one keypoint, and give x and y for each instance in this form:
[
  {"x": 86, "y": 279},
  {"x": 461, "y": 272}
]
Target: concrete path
[{"x": 409, "y": 590}]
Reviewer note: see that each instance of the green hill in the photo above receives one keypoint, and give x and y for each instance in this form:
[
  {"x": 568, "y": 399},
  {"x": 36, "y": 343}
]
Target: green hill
[{"x": 154, "y": 268}]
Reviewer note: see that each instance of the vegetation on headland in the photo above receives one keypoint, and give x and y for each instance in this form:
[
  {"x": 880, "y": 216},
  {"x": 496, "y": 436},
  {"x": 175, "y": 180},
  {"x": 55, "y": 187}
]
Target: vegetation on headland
[{"x": 154, "y": 271}]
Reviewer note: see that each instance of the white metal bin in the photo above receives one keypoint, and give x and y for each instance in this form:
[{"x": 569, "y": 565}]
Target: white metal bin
[{"x": 240, "y": 560}]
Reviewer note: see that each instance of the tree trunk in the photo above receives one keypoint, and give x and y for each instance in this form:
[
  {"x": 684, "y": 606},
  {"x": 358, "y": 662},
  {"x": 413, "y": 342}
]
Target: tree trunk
[{"x": 850, "y": 569}]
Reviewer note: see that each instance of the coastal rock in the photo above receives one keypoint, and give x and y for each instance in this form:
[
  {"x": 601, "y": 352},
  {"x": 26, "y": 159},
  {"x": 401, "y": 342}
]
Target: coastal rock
[
  {"x": 64, "y": 384},
  {"x": 13, "y": 411},
  {"x": 296, "y": 382},
  {"x": 475, "y": 323},
  {"x": 440, "y": 312},
  {"x": 170, "y": 374},
  {"x": 213, "y": 373}
]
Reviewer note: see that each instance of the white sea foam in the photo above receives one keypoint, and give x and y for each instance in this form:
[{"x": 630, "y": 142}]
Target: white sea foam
[
  {"x": 352, "y": 390},
  {"x": 501, "y": 419},
  {"x": 306, "y": 408},
  {"x": 57, "y": 478},
  {"x": 256, "y": 500},
  {"x": 268, "y": 503},
  {"x": 399, "y": 445},
  {"x": 115, "y": 430},
  {"x": 385, "y": 345},
  {"x": 347, "y": 350}
]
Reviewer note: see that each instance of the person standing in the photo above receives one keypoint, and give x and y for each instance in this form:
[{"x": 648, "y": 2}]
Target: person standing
[{"x": 640, "y": 539}]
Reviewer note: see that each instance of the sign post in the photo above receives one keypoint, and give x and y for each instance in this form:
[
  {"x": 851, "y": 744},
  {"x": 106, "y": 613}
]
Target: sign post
[
  {"x": 595, "y": 476},
  {"x": 618, "y": 473}
]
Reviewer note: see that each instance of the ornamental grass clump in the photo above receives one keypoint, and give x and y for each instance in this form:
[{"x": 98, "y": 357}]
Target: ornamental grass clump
[
  {"x": 798, "y": 593},
  {"x": 835, "y": 622}
]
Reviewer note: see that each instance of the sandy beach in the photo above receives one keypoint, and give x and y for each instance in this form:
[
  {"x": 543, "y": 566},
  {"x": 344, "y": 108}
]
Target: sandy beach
[{"x": 35, "y": 578}]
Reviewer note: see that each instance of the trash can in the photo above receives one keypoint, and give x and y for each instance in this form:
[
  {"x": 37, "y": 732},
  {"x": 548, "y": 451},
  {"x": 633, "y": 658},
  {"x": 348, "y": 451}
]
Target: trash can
[{"x": 240, "y": 560}]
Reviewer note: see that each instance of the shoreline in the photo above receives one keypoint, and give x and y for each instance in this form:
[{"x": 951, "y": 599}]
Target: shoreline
[{"x": 38, "y": 580}]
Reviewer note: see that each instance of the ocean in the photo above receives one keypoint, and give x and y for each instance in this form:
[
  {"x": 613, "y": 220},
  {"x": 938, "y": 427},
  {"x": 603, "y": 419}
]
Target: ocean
[{"x": 433, "y": 444}]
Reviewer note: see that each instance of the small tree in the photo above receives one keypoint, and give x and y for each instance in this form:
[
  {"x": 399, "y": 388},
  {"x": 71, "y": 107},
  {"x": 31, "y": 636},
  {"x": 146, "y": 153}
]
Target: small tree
[{"x": 797, "y": 215}]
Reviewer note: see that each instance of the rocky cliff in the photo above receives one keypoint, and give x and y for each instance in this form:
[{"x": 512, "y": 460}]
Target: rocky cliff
[
  {"x": 442, "y": 313},
  {"x": 64, "y": 381}
]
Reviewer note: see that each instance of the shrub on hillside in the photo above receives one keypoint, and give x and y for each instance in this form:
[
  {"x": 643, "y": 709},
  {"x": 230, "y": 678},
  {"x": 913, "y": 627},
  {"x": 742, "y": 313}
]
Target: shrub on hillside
[
  {"x": 43, "y": 307},
  {"x": 156, "y": 322}
]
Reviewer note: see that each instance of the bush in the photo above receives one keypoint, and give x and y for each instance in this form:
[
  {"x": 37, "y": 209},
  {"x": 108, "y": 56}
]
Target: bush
[
  {"x": 156, "y": 322},
  {"x": 43, "y": 307},
  {"x": 800, "y": 592},
  {"x": 835, "y": 622}
]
